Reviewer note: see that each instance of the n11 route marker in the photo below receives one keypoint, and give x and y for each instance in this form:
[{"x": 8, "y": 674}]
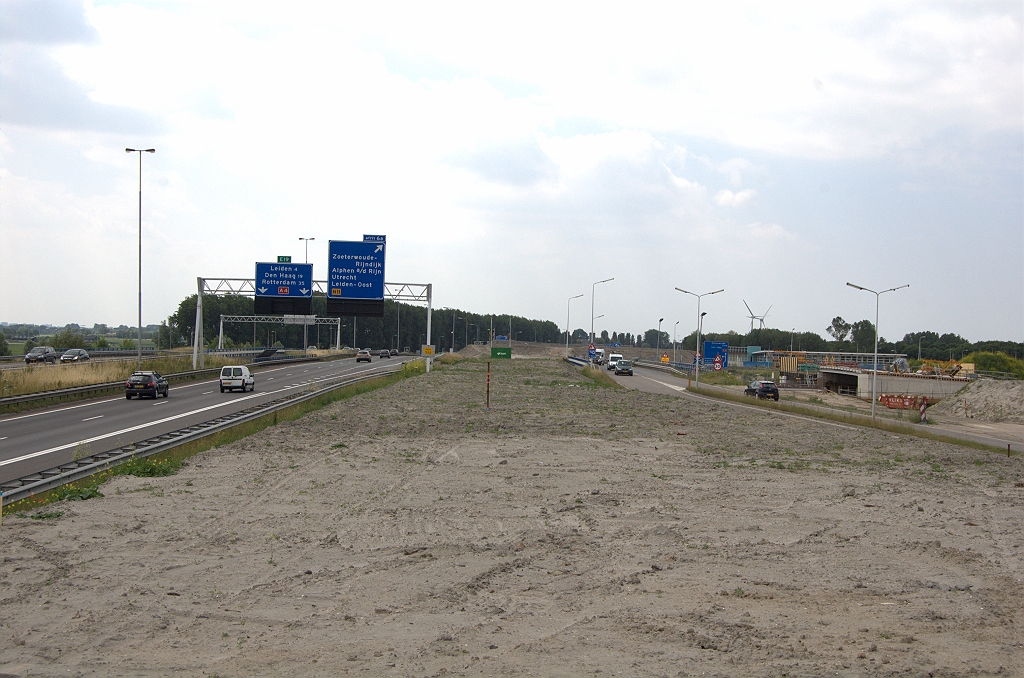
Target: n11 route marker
[{"x": 355, "y": 277}]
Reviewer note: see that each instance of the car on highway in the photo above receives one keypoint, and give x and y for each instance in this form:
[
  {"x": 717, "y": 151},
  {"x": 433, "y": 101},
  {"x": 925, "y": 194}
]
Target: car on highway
[
  {"x": 42, "y": 354},
  {"x": 364, "y": 356},
  {"x": 384, "y": 353},
  {"x": 236, "y": 376},
  {"x": 762, "y": 390},
  {"x": 624, "y": 367},
  {"x": 75, "y": 355},
  {"x": 146, "y": 383},
  {"x": 394, "y": 352},
  {"x": 612, "y": 359}
]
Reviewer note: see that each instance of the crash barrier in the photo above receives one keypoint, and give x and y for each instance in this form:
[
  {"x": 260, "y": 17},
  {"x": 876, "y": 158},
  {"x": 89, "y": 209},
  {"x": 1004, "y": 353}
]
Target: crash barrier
[{"x": 27, "y": 486}]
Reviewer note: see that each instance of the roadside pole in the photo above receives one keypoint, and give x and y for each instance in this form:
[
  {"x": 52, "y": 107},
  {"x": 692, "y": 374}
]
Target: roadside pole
[{"x": 488, "y": 405}]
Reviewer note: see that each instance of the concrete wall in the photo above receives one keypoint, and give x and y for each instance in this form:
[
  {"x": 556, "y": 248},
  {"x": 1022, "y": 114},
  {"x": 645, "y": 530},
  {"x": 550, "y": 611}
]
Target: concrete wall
[{"x": 934, "y": 389}]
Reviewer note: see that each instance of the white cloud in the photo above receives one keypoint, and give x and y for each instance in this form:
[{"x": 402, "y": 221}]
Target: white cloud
[
  {"x": 518, "y": 148},
  {"x": 727, "y": 198}
]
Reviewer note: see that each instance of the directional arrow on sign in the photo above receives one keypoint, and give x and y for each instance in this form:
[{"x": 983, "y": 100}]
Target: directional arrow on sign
[
  {"x": 380, "y": 248},
  {"x": 261, "y": 290},
  {"x": 303, "y": 290}
]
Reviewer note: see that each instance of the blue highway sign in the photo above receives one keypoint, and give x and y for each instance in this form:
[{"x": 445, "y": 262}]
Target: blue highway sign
[
  {"x": 716, "y": 352},
  {"x": 284, "y": 280},
  {"x": 356, "y": 269},
  {"x": 374, "y": 238}
]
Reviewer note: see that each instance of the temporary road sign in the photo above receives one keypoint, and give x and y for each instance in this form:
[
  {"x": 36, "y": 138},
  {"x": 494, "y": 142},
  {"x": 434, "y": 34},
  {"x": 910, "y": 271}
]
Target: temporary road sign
[
  {"x": 664, "y": 357},
  {"x": 355, "y": 269},
  {"x": 284, "y": 280},
  {"x": 427, "y": 350},
  {"x": 718, "y": 362}
]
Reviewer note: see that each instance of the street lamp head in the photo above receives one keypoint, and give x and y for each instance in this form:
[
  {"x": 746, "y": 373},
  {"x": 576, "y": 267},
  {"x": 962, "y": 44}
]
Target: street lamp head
[
  {"x": 717, "y": 291},
  {"x": 857, "y": 287},
  {"x": 680, "y": 289},
  {"x": 703, "y": 314},
  {"x": 660, "y": 319}
]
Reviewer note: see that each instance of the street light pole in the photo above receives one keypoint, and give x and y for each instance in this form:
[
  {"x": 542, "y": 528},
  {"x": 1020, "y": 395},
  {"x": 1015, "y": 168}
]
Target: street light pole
[
  {"x": 674, "y": 341},
  {"x": 696, "y": 356},
  {"x": 592, "y": 289},
  {"x": 874, "y": 366},
  {"x": 567, "y": 304},
  {"x": 659, "y": 337},
  {"x": 140, "y": 151},
  {"x": 306, "y": 260}
]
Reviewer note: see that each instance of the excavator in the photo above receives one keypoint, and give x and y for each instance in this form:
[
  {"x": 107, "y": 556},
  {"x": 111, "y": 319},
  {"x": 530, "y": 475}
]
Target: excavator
[{"x": 944, "y": 368}]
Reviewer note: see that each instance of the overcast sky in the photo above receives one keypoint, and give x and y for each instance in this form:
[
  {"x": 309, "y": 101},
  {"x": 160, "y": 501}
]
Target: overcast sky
[{"x": 513, "y": 154}]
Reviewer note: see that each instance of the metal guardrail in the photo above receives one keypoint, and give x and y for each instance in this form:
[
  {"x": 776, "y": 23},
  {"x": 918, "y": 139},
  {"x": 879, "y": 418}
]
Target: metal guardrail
[
  {"x": 26, "y": 486},
  {"x": 578, "y": 362},
  {"x": 111, "y": 385}
]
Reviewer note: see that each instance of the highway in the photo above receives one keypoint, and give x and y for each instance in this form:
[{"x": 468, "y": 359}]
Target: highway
[
  {"x": 656, "y": 381},
  {"x": 34, "y": 441}
]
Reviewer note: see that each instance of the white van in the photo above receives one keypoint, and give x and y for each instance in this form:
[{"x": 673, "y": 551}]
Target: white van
[
  {"x": 612, "y": 359},
  {"x": 236, "y": 376}
]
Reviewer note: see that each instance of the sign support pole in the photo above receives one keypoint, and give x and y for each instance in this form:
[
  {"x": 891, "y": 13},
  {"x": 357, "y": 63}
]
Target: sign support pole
[
  {"x": 430, "y": 288},
  {"x": 197, "y": 334}
]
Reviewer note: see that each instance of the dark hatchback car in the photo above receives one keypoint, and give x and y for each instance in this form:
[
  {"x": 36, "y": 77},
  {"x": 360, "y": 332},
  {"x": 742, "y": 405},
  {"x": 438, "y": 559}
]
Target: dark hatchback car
[
  {"x": 75, "y": 355},
  {"x": 762, "y": 390},
  {"x": 384, "y": 353},
  {"x": 146, "y": 383},
  {"x": 624, "y": 367},
  {"x": 42, "y": 354}
]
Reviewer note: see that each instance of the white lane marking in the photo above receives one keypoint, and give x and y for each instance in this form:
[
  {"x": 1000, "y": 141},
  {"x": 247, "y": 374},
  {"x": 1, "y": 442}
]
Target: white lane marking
[
  {"x": 209, "y": 392},
  {"x": 270, "y": 379},
  {"x": 4, "y": 438},
  {"x": 162, "y": 402},
  {"x": 112, "y": 400},
  {"x": 98, "y": 416},
  {"x": 67, "y": 446},
  {"x": 63, "y": 409}
]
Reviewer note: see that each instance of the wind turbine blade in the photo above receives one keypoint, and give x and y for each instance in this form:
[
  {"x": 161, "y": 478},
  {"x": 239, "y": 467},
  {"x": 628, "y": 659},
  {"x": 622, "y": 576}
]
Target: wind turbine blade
[
  {"x": 766, "y": 312},
  {"x": 748, "y": 307}
]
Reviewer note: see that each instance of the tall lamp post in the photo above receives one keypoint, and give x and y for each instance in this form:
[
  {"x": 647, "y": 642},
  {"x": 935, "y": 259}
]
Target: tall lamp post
[
  {"x": 696, "y": 356},
  {"x": 567, "y": 304},
  {"x": 674, "y": 341},
  {"x": 874, "y": 366},
  {"x": 592, "y": 318},
  {"x": 659, "y": 337},
  {"x": 306, "y": 260},
  {"x": 140, "y": 151}
]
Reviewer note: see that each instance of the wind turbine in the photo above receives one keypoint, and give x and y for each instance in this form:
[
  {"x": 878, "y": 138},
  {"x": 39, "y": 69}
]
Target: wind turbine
[{"x": 759, "y": 318}]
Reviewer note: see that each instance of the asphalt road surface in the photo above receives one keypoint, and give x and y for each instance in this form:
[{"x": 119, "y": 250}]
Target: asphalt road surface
[
  {"x": 41, "y": 439},
  {"x": 656, "y": 381}
]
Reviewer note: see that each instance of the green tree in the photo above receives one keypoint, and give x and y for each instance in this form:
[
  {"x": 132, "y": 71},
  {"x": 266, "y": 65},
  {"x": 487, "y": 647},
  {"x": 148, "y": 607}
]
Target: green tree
[
  {"x": 68, "y": 338},
  {"x": 862, "y": 333},
  {"x": 28, "y": 346},
  {"x": 4, "y": 348},
  {"x": 101, "y": 342},
  {"x": 839, "y": 328}
]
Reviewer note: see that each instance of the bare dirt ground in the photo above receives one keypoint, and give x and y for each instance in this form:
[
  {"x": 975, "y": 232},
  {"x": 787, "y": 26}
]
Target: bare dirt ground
[
  {"x": 987, "y": 400},
  {"x": 571, "y": 530}
]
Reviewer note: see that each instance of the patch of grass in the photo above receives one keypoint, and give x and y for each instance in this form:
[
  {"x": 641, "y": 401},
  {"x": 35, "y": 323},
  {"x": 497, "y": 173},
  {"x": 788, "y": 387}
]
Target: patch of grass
[
  {"x": 73, "y": 493},
  {"x": 148, "y": 467},
  {"x": 449, "y": 358},
  {"x": 599, "y": 377}
]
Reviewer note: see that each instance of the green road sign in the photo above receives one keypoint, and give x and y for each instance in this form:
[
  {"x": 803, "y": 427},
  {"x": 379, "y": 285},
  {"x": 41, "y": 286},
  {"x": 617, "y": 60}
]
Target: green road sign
[
  {"x": 502, "y": 352},
  {"x": 284, "y": 260}
]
